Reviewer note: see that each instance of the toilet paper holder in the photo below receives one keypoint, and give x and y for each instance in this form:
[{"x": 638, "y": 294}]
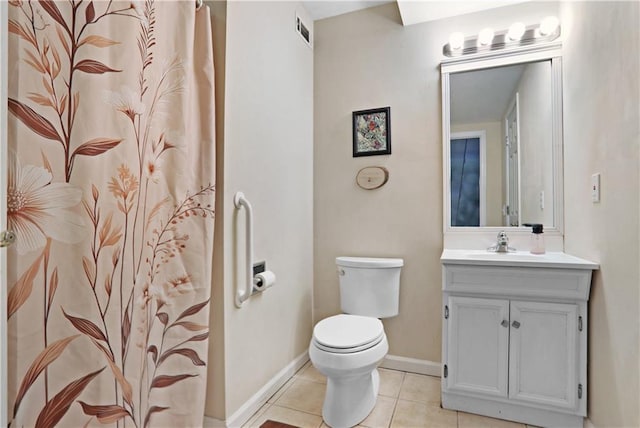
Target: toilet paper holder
[{"x": 262, "y": 278}]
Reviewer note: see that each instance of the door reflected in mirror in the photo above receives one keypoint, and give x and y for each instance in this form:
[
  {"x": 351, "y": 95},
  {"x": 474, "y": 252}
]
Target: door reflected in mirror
[{"x": 501, "y": 146}]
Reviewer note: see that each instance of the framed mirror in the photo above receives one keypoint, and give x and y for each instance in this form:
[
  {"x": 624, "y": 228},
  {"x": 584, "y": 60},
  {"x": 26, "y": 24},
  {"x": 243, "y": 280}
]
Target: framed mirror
[{"x": 502, "y": 140}]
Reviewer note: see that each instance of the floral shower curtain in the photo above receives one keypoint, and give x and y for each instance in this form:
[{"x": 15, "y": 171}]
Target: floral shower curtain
[{"x": 111, "y": 190}]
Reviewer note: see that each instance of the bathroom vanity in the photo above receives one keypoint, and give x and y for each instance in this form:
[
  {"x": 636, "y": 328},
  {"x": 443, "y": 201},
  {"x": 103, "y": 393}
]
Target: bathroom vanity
[{"x": 514, "y": 335}]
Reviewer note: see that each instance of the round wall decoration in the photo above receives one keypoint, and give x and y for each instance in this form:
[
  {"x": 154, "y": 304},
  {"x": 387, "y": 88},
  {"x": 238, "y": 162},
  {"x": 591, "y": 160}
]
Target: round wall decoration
[{"x": 372, "y": 177}]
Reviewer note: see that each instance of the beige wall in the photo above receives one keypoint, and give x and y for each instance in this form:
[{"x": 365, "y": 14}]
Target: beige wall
[
  {"x": 601, "y": 127},
  {"x": 368, "y": 59},
  {"x": 360, "y": 63},
  {"x": 494, "y": 167},
  {"x": 268, "y": 149}
]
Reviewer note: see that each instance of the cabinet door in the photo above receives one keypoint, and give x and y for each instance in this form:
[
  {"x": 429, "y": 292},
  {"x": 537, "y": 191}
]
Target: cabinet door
[
  {"x": 478, "y": 346},
  {"x": 542, "y": 356}
]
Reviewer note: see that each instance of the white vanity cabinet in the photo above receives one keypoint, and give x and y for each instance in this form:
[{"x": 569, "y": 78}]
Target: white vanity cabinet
[{"x": 515, "y": 336}]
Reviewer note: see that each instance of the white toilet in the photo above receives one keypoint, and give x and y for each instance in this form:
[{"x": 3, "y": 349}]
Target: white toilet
[{"x": 348, "y": 347}]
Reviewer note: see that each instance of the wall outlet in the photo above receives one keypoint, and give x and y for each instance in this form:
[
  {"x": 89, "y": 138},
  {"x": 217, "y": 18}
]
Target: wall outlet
[{"x": 595, "y": 188}]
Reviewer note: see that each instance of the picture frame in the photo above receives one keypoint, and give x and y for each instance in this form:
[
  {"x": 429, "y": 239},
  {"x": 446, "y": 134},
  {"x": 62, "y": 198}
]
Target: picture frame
[{"x": 372, "y": 132}]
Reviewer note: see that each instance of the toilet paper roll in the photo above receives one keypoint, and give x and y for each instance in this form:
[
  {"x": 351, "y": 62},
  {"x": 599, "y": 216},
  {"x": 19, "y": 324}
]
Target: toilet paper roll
[{"x": 264, "y": 280}]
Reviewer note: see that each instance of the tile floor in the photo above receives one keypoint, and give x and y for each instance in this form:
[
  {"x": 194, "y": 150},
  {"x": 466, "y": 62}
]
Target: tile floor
[{"x": 405, "y": 400}]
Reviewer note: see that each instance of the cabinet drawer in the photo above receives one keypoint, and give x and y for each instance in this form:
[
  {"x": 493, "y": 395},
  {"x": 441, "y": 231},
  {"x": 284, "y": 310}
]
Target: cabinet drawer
[{"x": 517, "y": 281}]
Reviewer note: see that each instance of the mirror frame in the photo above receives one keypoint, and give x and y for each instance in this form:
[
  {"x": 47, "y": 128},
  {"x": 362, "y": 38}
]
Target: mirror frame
[{"x": 548, "y": 51}]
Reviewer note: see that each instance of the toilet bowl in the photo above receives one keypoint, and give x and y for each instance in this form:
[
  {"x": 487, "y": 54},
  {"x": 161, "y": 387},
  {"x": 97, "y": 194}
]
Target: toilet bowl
[{"x": 347, "y": 349}]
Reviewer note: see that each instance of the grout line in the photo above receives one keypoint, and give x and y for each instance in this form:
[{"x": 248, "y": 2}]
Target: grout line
[
  {"x": 397, "y": 398},
  {"x": 297, "y": 410},
  {"x": 258, "y": 414},
  {"x": 280, "y": 392},
  {"x": 299, "y": 375},
  {"x": 404, "y": 376},
  {"x": 426, "y": 403},
  {"x": 309, "y": 380},
  {"x": 304, "y": 367},
  {"x": 393, "y": 413}
]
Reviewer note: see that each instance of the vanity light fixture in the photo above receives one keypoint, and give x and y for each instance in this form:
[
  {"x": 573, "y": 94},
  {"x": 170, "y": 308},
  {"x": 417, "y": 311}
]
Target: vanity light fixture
[
  {"x": 517, "y": 35},
  {"x": 516, "y": 31},
  {"x": 485, "y": 37},
  {"x": 456, "y": 40},
  {"x": 549, "y": 25}
]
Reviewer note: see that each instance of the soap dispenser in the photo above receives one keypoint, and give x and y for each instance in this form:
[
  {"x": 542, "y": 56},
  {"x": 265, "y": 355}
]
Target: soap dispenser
[{"x": 537, "y": 239}]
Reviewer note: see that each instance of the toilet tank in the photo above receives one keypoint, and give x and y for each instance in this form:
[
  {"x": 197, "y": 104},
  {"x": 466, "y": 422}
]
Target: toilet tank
[{"x": 369, "y": 286}]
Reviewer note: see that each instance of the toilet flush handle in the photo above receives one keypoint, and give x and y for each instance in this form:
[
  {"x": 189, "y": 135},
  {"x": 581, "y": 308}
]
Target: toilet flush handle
[{"x": 341, "y": 272}]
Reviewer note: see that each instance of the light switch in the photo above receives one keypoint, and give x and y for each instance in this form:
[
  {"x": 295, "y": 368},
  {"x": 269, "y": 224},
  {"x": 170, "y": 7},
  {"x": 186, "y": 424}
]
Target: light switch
[{"x": 595, "y": 188}]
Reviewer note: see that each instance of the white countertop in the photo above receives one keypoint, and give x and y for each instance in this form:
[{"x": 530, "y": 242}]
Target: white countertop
[{"x": 556, "y": 260}]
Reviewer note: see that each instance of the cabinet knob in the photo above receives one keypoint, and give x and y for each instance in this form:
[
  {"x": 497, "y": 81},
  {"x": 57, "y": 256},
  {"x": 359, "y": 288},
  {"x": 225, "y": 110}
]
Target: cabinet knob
[
  {"x": 504, "y": 323},
  {"x": 515, "y": 324}
]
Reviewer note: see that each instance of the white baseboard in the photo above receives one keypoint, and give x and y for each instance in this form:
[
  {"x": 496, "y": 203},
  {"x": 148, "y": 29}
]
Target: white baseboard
[
  {"x": 412, "y": 365},
  {"x": 244, "y": 413},
  {"x": 212, "y": 423}
]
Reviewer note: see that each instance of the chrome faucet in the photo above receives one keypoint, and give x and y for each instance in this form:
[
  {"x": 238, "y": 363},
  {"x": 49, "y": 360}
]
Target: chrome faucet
[{"x": 502, "y": 245}]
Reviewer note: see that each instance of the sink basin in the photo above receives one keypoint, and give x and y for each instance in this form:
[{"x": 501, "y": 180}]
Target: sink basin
[
  {"x": 517, "y": 258},
  {"x": 513, "y": 256}
]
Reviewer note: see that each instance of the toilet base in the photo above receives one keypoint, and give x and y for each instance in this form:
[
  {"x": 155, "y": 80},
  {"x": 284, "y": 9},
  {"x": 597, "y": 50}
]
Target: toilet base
[{"x": 350, "y": 399}]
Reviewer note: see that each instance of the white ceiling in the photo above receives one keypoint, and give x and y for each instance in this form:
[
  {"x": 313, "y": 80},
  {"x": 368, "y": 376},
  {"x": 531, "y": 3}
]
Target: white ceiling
[
  {"x": 411, "y": 11},
  {"x": 415, "y": 12},
  {"x": 320, "y": 9}
]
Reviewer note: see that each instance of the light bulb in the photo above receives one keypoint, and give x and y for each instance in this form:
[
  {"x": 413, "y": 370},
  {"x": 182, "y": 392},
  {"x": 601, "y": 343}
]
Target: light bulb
[
  {"x": 456, "y": 40},
  {"x": 485, "y": 37},
  {"x": 549, "y": 25},
  {"x": 516, "y": 31}
]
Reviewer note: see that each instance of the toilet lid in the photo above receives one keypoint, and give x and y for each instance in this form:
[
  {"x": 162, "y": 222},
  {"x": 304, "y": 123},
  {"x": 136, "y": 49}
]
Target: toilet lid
[{"x": 347, "y": 331}]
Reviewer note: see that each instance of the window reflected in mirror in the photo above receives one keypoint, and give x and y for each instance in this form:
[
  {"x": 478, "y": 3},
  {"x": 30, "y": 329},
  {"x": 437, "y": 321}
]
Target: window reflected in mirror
[{"x": 467, "y": 179}]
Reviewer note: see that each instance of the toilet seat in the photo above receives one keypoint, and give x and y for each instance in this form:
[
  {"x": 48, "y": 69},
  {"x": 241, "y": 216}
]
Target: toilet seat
[
  {"x": 344, "y": 334},
  {"x": 348, "y": 350}
]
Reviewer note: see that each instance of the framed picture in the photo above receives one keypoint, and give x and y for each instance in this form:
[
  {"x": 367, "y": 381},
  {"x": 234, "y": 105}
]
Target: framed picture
[{"x": 372, "y": 132}]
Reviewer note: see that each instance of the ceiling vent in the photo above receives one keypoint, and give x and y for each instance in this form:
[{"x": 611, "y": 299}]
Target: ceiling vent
[{"x": 303, "y": 31}]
